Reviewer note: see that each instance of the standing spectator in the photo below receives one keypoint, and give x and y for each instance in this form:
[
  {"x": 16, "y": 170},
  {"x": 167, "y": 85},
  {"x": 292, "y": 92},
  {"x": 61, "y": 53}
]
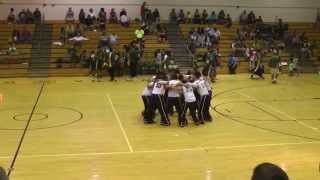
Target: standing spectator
[
  {"x": 197, "y": 17},
  {"x": 228, "y": 21},
  {"x": 274, "y": 65},
  {"x": 123, "y": 12},
  {"x": 70, "y": 31},
  {"x": 221, "y": 17},
  {"x": 142, "y": 11},
  {"x": 317, "y": 22},
  {"x": 37, "y": 16},
  {"x": 134, "y": 57},
  {"x": 12, "y": 50},
  {"x": 232, "y": 64},
  {"x": 173, "y": 16},
  {"x": 204, "y": 17},
  {"x": 181, "y": 17},
  {"x": 251, "y": 18},
  {"x": 244, "y": 18},
  {"x": 156, "y": 16},
  {"x": 15, "y": 36},
  {"x": 102, "y": 19},
  {"x": 11, "y": 17},
  {"x": 293, "y": 69},
  {"x": 22, "y": 17},
  {"x": 212, "y": 18},
  {"x": 162, "y": 35},
  {"x": 82, "y": 16},
  {"x": 113, "y": 17},
  {"x": 29, "y": 17},
  {"x": 70, "y": 16}
]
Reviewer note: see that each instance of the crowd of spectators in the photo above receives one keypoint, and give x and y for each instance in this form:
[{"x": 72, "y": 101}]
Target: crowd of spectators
[
  {"x": 203, "y": 38},
  {"x": 25, "y": 16},
  {"x": 200, "y": 18}
]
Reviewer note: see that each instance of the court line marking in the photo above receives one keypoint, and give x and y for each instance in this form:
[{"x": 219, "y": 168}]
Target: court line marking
[
  {"x": 278, "y": 111},
  {"x": 120, "y": 124},
  {"x": 163, "y": 150}
]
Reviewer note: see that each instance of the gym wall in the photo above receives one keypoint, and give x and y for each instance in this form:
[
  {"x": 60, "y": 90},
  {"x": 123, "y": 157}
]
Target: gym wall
[{"x": 288, "y": 10}]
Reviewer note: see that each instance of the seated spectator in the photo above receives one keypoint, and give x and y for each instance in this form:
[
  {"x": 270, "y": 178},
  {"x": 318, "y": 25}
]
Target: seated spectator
[
  {"x": 113, "y": 17},
  {"x": 196, "y": 17},
  {"x": 92, "y": 14},
  {"x": 3, "y": 174},
  {"x": 139, "y": 34},
  {"x": 181, "y": 17},
  {"x": 113, "y": 39},
  {"x": 156, "y": 16},
  {"x": 77, "y": 40},
  {"x": 29, "y": 17},
  {"x": 188, "y": 17},
  {"x": 70, "y": 31},
  {"x": 37, "y": 16},
  {"x": 104, "y": 40},
  {"x": 22, "y": 17},
  {"x": 124, "y": 20},
  {"x": 259, "y": 21},
  {"x": 268, "y": 171},
  {"x": 70, "y": 16},
  {"x": 78, "y": 29},
  {"x": 212, "y": 18},
  {"x": 82, "y": 16},
  {"x": 244, "y": 18},
  {"x": 204, "y": 18},
  {"x": 102, "y": 19},
  {"x": 25, "y": 35},
  {"x": 173, "y": 16},
  {"x": 15, "y": 36},
  {"x": 228, "y": 23},
  {"x": 251, "y": 18},
  {"x": 217, "y": 33},
  {"x": 221, "y": 17},
  {"x": 89, "y": 22},
  {"x": 11, "y": 17},
  {"x": 162, "y": 35},
  {"x": 232, "y": 64},
  {"x": 12, "y": 49}
]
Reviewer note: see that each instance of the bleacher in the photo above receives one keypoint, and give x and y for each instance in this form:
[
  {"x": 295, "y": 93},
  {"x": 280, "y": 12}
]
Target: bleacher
[
  {"x": 17, "y": 63},
  {"x": 228, "y": 34}
]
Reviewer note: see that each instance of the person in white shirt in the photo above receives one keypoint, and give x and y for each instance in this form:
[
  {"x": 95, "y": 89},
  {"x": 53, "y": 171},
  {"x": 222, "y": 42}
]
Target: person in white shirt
[
  {"x": 124, "y": 20},
  {"x": 190, "y": 102},
  {"x": 208, "y": 84},
  {"x": 158, "y": 92},
  {"x": 148, "y": 113},
  {"x": 70, "y": 15},
  {"x": 174, "y": 97},
  {"x": 204, "y": 97},
  {"x": 113, "y": 39}
]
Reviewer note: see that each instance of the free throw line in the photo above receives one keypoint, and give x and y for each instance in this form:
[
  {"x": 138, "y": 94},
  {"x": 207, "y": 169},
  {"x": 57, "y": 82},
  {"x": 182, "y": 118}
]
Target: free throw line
[{"x": 120, "y": 123}]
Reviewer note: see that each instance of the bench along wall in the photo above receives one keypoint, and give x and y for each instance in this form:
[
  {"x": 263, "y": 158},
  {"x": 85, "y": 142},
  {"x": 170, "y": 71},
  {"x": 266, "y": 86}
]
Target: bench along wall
[{"x": 289, "y": 10}]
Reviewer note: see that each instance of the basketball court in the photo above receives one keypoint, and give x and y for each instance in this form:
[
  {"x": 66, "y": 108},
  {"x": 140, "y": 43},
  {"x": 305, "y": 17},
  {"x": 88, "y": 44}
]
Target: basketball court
[{"x": 82, "y": 129}]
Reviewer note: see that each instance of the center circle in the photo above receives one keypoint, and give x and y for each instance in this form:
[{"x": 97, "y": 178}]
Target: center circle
[{"x": 26, "y": 116}]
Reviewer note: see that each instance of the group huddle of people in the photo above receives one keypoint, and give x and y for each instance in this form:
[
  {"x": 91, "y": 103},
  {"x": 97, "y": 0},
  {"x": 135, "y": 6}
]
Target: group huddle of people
[{"x": 176, "y": 92}]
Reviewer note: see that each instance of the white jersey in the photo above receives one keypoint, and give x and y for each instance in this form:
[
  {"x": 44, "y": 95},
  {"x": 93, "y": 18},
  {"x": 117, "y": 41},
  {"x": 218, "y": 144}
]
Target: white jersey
[
  {"x": 188, "y": 93},
  {"x": 201, "y": 87},
  {"x": 147, "y": 91},
  {"x": 207, "y": 83},
  {"x": 173, "y": 92},
  {"x": 159, "y": 87}
]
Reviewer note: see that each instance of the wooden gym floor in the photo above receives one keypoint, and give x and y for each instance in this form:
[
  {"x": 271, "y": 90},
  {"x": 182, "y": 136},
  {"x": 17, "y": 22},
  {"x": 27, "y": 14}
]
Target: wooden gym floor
[{"x": 84, "y": 130}]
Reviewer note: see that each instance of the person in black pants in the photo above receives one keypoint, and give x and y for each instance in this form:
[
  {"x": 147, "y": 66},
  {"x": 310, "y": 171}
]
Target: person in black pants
[
  {"x": 134, "y": 57},
  {"x": 174, "y": 97},
  {"x": 148, "y": 113}
]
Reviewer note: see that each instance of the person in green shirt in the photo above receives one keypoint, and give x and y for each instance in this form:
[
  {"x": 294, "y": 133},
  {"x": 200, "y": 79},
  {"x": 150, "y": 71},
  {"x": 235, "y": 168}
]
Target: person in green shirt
[
  {"x": 139, "y": 34},
  {"x": 274, "y": 65}
]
